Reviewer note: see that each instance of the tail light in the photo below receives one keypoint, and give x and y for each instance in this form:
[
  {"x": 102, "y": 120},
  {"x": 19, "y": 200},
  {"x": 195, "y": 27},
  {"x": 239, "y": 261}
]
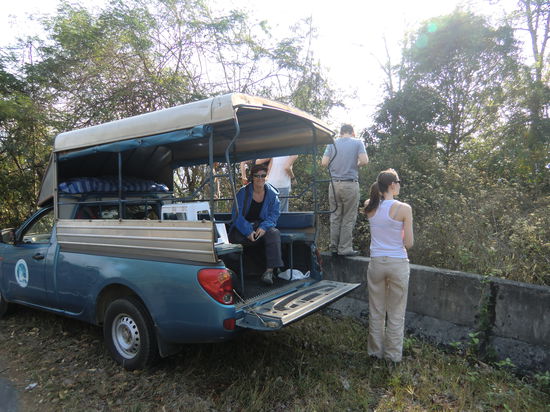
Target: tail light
[
  {"x": 229, "y": 324},
  {"x": 218, "y": 284}
]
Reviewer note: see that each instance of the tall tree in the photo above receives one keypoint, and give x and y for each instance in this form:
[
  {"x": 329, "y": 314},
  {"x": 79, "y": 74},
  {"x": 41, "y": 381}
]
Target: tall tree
[
  {"x": 22, "y": 150},
  {"x": 466, "y": 64},
  {"x": 533, "y": 17},
  {"x": 142, "y": 55},
  {"x": 137, "y": 56}
]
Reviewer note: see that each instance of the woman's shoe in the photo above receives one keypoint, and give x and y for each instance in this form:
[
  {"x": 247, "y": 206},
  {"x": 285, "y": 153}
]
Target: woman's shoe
[{"x": 267, "y": 277}]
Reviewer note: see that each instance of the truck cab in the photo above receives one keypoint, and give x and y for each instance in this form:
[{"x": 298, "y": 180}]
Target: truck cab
[{"x": 113, "y": 245}]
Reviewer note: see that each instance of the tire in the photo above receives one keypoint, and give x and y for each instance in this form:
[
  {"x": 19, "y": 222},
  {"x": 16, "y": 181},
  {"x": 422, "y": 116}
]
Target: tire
[
  {"x": 129, "y": 335},
  {"x": 5, "y": 307}
]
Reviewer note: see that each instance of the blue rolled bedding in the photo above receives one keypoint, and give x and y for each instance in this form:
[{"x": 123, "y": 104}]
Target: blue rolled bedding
[{"x": 109, "y": 184}]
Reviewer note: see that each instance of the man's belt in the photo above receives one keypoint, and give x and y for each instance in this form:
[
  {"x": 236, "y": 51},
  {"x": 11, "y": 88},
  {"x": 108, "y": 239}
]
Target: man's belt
[{"x": 344, "y": 180}]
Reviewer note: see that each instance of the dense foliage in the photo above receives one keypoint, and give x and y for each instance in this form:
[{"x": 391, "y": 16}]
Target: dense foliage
[
  {"x": 134, "y": 57},
  {"x": 463, "y": 119},
  {"x": 471, "y": 143}
]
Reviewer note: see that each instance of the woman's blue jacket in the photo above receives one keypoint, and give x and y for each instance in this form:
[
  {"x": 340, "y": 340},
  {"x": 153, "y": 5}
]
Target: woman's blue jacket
[{"x": 269, "y": 214}]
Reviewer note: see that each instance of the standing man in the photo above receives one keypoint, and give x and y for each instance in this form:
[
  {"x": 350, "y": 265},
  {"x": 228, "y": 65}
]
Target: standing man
[{"x": 343, "y": 159}]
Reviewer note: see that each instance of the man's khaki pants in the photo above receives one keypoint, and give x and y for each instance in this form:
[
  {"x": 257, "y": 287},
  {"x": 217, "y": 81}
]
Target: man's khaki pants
[
  {"x": 388, "y": 283},
  {"x": 345, "y": 199}
]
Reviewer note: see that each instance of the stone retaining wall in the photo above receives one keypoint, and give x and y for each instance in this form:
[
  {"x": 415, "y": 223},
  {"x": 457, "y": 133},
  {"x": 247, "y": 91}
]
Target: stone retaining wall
[{"x": 511, "y": 319}]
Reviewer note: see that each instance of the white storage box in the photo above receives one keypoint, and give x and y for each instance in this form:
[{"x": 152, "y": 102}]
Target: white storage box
[{"x": 184, "y": 211}]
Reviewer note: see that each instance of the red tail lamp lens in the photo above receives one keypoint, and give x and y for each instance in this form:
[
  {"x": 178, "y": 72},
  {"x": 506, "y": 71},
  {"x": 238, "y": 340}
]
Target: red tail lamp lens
[
  {"x": 218, "y": 284},
  {"x": 229, "y": 324}
]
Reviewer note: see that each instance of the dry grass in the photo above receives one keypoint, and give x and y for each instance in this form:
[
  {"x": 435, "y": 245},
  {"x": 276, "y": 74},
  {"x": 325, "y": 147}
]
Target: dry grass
[{"x": 318, "y": 364}]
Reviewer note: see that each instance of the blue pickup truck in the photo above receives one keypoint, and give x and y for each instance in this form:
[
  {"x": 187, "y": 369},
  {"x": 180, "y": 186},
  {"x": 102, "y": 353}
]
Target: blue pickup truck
[{"x": 107, "y": 248}]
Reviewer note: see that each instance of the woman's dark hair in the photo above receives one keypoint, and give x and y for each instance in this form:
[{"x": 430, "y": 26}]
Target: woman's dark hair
[
  {"x": 378, "y": 188},
  {"x": 256, "y": 168}
]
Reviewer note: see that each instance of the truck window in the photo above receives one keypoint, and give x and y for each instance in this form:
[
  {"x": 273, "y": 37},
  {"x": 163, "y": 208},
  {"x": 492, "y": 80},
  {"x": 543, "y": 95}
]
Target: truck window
[
  {"x": 40, "y": 230},
  {"x": 88, "y": 212},
  {"x": 132, "y": 211},
  {"x": 141, "y": 212},
  {"x": 109, "y": 212}
]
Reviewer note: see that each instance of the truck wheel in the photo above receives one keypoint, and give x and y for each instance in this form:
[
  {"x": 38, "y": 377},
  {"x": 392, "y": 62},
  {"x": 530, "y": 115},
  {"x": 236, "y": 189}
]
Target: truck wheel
[
  {"x": 3, "y": 305},
  {"x": 129, "y": 335}
]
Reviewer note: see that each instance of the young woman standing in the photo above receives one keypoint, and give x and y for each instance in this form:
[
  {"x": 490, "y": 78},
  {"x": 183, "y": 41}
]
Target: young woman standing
[{"x": 388, "y": 273}]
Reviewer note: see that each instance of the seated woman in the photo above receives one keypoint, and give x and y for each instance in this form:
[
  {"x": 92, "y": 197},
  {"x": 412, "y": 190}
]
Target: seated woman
[{"x": 258, "y": 214}]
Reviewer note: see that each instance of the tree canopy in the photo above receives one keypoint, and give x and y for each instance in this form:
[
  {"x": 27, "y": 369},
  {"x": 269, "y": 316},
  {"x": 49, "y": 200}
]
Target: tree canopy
[
  {"x": 459, "y": 123},
  {"x": 463, "y": 117},
  {"x": 137, "y": 56}
]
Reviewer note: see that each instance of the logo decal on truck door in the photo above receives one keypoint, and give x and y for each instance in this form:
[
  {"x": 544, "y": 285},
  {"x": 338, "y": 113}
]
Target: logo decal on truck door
[{"x": 22, "y": 273}]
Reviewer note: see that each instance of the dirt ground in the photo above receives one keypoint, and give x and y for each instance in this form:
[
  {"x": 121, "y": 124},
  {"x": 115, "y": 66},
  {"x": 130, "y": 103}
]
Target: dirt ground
[
  {"x": 317, "y": 364},
  {"x": 14, "y": 380},
  {"x": 53, "y": 362}
]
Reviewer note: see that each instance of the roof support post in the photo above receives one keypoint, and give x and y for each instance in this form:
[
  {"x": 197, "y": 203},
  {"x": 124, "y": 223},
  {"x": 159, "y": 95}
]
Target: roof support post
[
  {"x": 55, "y": 187},
  {"x": 315, "y": 182},
  {"x": 119, "y": 159},
  {"x": 211, "y": 165},
  {"x": 228, "y": 161}
]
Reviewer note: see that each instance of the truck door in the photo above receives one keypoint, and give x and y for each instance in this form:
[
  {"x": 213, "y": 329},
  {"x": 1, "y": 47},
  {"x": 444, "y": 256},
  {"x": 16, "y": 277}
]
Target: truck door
[{"x": 25, "y": 263}]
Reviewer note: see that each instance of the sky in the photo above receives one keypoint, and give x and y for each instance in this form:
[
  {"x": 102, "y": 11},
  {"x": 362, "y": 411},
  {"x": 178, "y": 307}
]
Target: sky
[{"x": 350, "y": 42}]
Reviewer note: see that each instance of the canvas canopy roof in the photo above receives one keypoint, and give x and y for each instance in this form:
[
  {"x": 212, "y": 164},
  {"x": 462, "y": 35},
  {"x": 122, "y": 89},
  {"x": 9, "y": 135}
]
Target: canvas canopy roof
[{"x": 151, "y": 145}]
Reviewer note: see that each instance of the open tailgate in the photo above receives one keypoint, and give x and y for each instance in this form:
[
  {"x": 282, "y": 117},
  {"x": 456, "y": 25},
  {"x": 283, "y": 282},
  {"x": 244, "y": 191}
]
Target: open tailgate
[{"x": 288, "y": 308}]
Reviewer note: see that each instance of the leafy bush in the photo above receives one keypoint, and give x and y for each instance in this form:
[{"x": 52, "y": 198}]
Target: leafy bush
[{"x": 465, "y": 220}]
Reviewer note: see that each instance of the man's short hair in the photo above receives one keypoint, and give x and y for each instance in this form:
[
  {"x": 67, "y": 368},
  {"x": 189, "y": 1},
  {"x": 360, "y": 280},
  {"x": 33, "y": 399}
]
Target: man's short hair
[{"x": 346, "y": 129}]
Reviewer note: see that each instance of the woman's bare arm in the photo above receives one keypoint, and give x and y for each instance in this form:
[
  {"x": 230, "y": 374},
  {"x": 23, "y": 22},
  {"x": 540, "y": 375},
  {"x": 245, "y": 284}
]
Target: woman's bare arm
[{"x": 408, "y": 236}]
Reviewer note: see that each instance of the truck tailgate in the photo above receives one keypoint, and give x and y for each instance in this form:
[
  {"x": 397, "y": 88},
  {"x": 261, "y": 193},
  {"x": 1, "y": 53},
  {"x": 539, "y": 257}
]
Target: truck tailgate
[{"x": 288, "y": 308}]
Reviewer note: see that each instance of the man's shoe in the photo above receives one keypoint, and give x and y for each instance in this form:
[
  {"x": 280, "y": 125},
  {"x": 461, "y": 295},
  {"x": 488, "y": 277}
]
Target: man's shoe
[
  {"x": 352, "y": 253},
  {"x": 267, "y": 277}
]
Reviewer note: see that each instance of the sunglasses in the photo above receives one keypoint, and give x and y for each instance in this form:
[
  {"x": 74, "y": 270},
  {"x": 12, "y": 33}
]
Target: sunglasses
[
  {"x": 260, "y": 176},
  {"x": 397, "y": 181}
]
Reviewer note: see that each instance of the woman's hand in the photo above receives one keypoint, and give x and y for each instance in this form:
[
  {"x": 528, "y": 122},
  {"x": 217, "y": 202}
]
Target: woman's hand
[{"x": 259, "y": 233}]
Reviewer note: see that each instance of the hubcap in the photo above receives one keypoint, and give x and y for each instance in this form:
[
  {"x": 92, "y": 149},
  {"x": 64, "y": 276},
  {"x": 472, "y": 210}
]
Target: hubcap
[{"x": 126, "y": 336}]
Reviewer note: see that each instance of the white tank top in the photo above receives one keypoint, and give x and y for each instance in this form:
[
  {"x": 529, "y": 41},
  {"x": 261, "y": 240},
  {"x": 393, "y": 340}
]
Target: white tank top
[
  {"x": 386, "y": 233},
  {"x": 278, "y": 176}
]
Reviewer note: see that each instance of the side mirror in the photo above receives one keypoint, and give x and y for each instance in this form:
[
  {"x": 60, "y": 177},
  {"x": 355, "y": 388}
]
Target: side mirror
[{"x": 8, "y": 236}]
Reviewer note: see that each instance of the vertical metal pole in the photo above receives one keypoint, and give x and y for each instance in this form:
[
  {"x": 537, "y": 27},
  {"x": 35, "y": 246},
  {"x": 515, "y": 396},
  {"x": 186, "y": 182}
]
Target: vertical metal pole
[
  {"x": 120, "y": 185},
  {"x": 315, "y": 172},
  {"x": 315, "y": 183},
  {"x": 227, "y": 159},
  {"x": 211, "y": 165},
  {"x": 55, "y": 187}
]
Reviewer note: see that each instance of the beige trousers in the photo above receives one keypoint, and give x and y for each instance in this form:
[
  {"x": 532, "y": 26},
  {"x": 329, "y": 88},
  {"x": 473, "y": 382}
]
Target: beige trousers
[
  {"x": 345, "y": 199},
  {"x": 388, "y": 283}
]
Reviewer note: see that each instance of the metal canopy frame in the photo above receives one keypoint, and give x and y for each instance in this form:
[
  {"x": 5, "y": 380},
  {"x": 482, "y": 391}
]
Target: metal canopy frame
[{"x": 253, "y": 128}]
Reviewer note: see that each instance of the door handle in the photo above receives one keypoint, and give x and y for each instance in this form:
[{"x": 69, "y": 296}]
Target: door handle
[{"x": 38, "y": 256}]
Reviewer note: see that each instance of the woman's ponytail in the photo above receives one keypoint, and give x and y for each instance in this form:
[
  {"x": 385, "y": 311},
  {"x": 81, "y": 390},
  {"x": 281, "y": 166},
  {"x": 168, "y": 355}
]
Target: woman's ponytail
[
  {"x": 378, "y": 188},
  {"x": 374, "y": 199}
]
